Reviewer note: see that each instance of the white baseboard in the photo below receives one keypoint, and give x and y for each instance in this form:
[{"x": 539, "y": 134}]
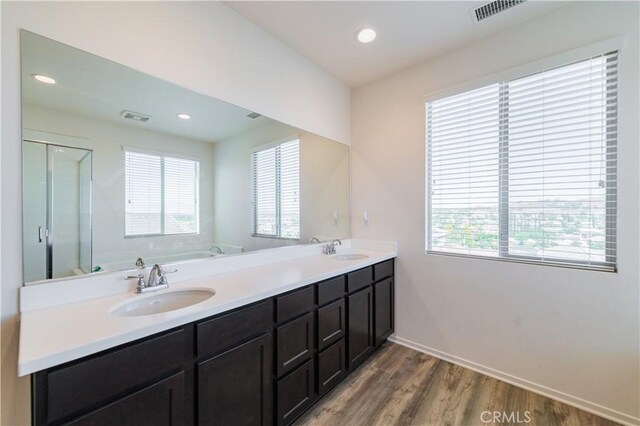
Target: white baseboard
[{"x": 580, "y": 403}]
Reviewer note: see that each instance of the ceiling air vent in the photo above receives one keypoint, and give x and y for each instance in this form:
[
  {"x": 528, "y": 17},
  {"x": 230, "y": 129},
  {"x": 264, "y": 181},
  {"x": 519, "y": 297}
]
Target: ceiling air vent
[
  {"x": 487, "y": 10},
  {"x": 254, "y": 115},
  {"x": 135, "y": 116}
]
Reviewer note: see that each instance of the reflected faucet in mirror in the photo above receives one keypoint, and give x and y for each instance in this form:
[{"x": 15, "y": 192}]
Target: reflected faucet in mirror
[{"x": 215, "y": 250}]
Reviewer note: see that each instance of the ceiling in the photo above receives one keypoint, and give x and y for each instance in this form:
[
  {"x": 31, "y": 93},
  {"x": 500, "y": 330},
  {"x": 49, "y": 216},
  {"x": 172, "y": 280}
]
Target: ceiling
[
  {"x": 409, "y": 32},
  {"x": 95, "y": 87}
]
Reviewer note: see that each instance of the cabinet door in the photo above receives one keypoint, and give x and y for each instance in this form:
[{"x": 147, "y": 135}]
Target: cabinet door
[
  {"x": 331, "y": 367},
  {"x": 360, "y": 326},
  {"x": 159, "y": 404},
  {"x": 331, "y": 327},
  {"x": 383, "y": 297},
  {"x": 294, "y": 343},
  {"x": 234, "y": 388},
  {"x": 295, "y": 393}
]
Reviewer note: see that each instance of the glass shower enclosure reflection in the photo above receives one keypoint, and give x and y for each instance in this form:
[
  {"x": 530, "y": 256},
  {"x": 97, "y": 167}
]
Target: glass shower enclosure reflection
[{"x": 57, "y": 211}]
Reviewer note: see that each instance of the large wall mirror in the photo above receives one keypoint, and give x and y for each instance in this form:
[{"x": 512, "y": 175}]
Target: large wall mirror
[{"x": 119, "y": 165}]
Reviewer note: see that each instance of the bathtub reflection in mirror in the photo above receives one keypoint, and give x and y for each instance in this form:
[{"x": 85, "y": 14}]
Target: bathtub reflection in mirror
[{"x": 119, "y": 165}]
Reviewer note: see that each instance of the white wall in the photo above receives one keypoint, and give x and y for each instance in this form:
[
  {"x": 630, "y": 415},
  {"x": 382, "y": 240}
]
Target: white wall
[
  {"x": 324, "y": 187},
  {"x": 108, "y": 198},
  {"x": 571, "y": 333},
  {"x": 202, "y": 46}
]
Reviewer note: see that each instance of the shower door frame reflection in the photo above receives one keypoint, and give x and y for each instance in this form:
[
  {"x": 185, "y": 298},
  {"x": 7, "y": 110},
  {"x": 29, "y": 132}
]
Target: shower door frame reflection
[{"x": 49, "y": 234}]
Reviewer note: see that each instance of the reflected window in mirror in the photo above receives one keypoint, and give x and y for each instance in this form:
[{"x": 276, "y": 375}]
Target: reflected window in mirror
[
  {"x": 276, "y": 190},
  {"x": 162, "y": 195}
]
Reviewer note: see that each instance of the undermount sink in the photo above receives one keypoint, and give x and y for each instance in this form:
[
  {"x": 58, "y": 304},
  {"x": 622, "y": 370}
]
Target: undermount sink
[
  {"x": 352, "y": 256},
  {"x": 160, "y": 303}
]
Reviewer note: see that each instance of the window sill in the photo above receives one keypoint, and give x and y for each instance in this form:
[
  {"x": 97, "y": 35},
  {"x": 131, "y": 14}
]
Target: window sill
[
  {"x": 161, "y": 235},
  {"x": 273, "y": 237},
  {"x": 531, "y": 261}
]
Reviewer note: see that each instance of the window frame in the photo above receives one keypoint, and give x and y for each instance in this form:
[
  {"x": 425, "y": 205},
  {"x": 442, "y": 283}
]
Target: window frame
[
  {"x": 162, "y": 157},
  {"x": 502, "y": 79},
  {"x": 278, "y": 194}
]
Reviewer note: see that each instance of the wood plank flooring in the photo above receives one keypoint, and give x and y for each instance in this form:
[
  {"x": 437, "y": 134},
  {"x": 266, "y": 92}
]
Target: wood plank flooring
[{"x": 400, "y": 386}]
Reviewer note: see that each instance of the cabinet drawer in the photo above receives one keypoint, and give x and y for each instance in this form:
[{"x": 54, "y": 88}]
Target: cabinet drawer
[
  {"x": 225, "y": 332},
  {"x": 331, "y": 366},
  {"x": 330, "y": 290},
  {"x": 294, "y": 304},
  {"x": 383, "y": 270},
  {"x": 294, "y": 343},
  {"x": 97, "y": 380},
  {"x": 359, "y": 279},
  {"x": 331, "y": 323},
  {"x": 295, "y": 393}
]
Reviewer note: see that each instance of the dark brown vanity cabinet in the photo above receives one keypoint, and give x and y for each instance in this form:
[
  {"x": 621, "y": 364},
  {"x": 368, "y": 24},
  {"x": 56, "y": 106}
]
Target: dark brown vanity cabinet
[
  {"x": 295, "y": 343},
  {"x": 261, "y": 364},
  {"x": 360, "y": 307},
  {"x": 234, "y": 368},
  {"x": 161, "y": 404},
  {"x": 331, "y": 323},
  {"x": 234, "y": 388},
  {"x": 383, "y": 308}
]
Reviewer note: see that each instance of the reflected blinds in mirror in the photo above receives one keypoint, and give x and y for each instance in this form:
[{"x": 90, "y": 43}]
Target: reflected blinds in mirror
[
  {"x": 276, "y": 191},
  {"x": 162, "y": 195}
]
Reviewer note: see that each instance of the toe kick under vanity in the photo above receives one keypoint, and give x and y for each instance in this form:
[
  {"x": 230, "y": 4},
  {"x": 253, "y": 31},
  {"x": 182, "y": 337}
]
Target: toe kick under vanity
[{"x": 255, "y": 361}]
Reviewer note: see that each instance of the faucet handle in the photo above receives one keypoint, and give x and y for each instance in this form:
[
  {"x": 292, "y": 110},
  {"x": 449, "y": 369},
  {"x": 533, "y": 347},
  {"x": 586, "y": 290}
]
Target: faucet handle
[
  {"x": 140, "y": 284},
  {"x": 163, "y": 276}
]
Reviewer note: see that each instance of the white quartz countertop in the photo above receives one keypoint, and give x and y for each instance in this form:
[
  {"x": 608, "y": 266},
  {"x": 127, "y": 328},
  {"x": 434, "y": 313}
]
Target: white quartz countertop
[{"x": 58, "y": 334}]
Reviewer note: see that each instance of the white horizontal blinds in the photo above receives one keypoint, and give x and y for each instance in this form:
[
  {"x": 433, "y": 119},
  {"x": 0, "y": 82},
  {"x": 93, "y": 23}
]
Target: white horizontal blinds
[
  {"x": 527, "y": 168},
  {"x": 462, "y": 154},
  {"x": 180, "y": 196},
  {"x": 161, "y": 195},
  {"x": 562, "y": 132},
  {"x": 290, "y": 189},
  {"x": 265, "y": 192},
  {"x": 276, "y": 191},
  {"x": 143, "y": 194}
]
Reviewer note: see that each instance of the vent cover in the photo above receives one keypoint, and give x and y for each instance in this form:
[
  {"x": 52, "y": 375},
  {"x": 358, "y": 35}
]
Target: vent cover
[
  {"x": 487, "y": 10},
  {"x": 254, "y": 115},
  {"x": 135, "y": 116}
]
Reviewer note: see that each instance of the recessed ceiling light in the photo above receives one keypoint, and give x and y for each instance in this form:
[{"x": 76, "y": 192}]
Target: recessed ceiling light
[
  {"x": 366, "y": 35},
  {"x": 43, "y": 79},
  {"x": 184, "y": 116}
]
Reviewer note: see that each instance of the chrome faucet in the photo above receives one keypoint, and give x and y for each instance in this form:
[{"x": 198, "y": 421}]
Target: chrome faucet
[
  {"x": 215, "y": 249},
  {"x": 331, "y": 247},
  {"x": 157, "y": 279}
]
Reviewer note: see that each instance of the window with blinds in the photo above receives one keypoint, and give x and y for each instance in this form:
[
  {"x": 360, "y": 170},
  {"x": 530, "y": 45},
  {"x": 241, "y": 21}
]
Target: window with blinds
[
  {"x": 276, "y": 191},
  {"x": 161, "y": 195},
  {"x": 526, "y": 169}
]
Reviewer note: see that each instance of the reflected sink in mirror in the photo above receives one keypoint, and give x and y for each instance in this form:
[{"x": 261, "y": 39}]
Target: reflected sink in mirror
[
  {"x": 349, "y": 256},
  {"x": 161, "y": 303}
]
